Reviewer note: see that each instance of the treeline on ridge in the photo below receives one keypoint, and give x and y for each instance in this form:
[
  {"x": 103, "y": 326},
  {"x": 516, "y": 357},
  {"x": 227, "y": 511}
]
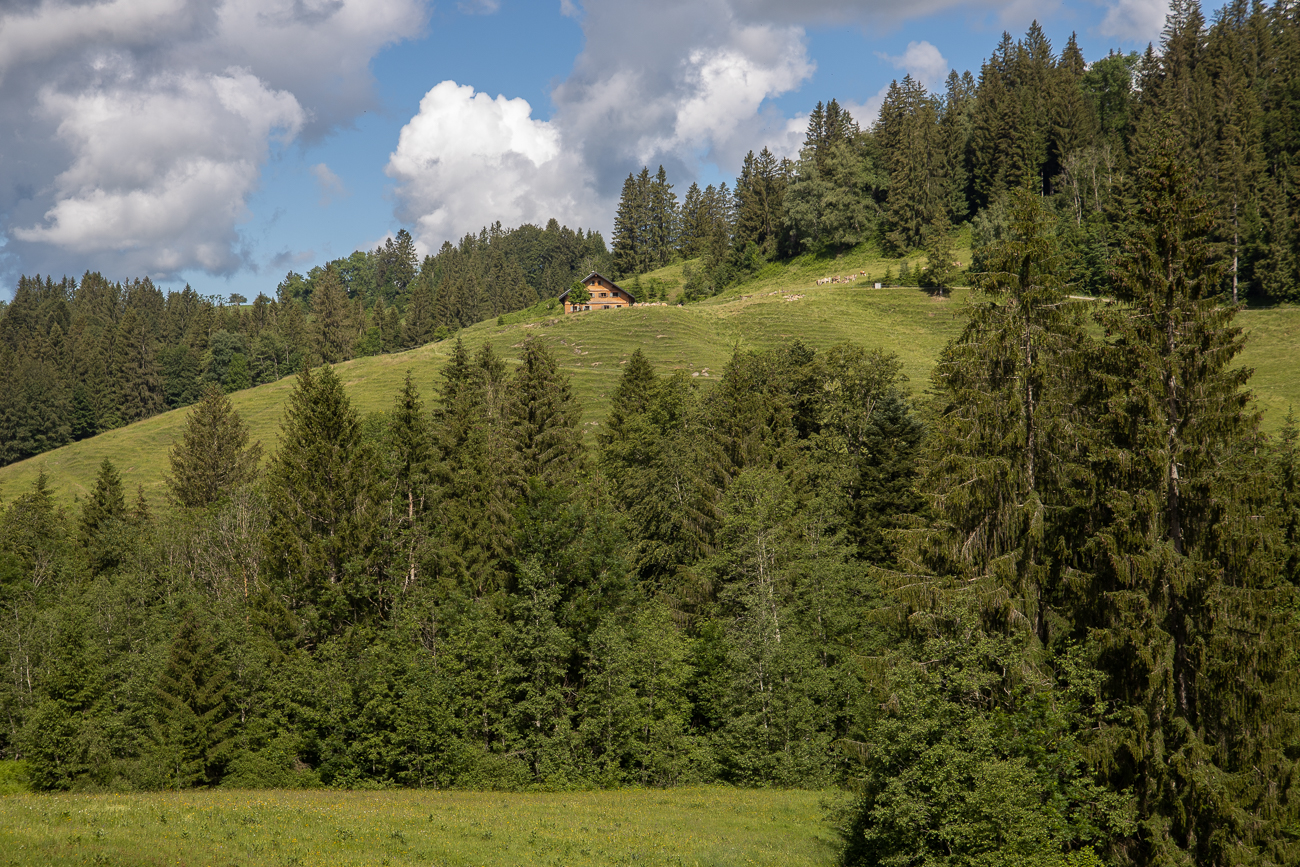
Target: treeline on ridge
[
  {"x": 81, "y": 357},
  {"x": 1068, "y": 128}
]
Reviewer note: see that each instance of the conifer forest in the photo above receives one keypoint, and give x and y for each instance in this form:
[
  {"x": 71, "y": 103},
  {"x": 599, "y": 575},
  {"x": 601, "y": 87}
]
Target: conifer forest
[{"x": 1041, "y": 610}]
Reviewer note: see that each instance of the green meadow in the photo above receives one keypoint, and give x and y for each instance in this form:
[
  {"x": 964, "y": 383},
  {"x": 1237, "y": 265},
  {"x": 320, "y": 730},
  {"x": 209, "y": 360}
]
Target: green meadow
[
  {"x": 679, "y": 827},
  {"x": 779, "y": 304}
]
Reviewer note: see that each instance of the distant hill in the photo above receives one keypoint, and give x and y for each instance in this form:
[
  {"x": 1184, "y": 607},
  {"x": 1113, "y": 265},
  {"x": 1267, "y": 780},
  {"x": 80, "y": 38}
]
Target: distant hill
[{"x": 780, "y": 304}]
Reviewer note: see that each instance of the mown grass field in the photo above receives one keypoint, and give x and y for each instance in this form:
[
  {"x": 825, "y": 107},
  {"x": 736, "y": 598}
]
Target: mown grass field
[
  {"x": 780, "y": 304},
  {"x": 679, "y": 827}
]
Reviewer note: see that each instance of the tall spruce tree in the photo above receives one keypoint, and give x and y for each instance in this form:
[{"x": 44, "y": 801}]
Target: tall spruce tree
[
  {"x": 420, "y": 316},
  {"x": 908, "y": 133},
  {"x": 635, "y": 394},
  {"x": 1236, "y": 155},
  {"x": 760, "y": 202},
  {"x": 410, "y": 449},
  {"x": 1008, "y": 444},
  {"x": 544, "y": 417},
  {"x": 632, "y": 222},
  {"x": 212, "y": 459},
  {"x": 329, "y": 305},
  {"x": 993, "y": 130},
  {"x": 137, "y": 382},
  {"x": 323, "y": 507},
  {"x": 665, "y": 220},
  {"x": 1178, "y": 573},
  {"x": 691, "y": 234},
  {"x": 477, "y": 472},
  {"x": 195, "y": 716},
  {"x": 104, "y": 520}
]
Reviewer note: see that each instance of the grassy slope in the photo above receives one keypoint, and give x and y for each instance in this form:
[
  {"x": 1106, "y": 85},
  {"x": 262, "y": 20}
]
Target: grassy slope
[
  {"x": 688, "y": 826},
  {"x": 780, "y": 304}
]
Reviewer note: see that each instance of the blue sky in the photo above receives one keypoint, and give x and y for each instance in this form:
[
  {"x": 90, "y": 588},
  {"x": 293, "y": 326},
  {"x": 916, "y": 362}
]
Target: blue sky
[{"x": 223, "y": 144}]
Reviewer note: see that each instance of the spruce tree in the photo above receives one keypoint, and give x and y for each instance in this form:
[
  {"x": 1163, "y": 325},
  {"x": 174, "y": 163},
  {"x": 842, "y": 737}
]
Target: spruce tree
[
  {"x": 329, "y": 305},
  {"x": 544, "y": 417},
  {"x": 635, "y": 394},
  {"x": 107, "y": 502},
  {"x": 939, "y": 269},
  {"x": 632, "y": 221},
  {"x": 1236, "y": 157},
  {"x": 760, "y": 203},
  {"x": 954, "y": 139},
  {"x": 195, "y": 718},
  {"x": 1031, "y": 72},
  {"x": 410, "y": 449},
  {"x": 1007, "y": 449},
  {"x": 35, "y": 414},
  {"x": 1072, "y": 117},
  {"x": 690, "y": 237},
  {"x": 322, "y": 504},
  {"x": 908, "y": 132},
  {"x": 137, "y": 382},
  {"x": 1177, "y": 574},
  {"x": 665, "y": 221},
  {"x": 103, "y": 527},
  {"x": 419, "y": 326},
  {"x": 212, "y": 459},
  {"x": 1285, "y": 475},
  {"x": 992, "y": 126},
  {"x": 477, "y": 472}
]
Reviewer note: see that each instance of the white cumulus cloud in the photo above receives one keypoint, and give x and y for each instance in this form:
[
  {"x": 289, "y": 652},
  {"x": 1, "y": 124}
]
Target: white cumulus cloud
[
  {"x": 1135, "y": 20},
  {"x": 468, "y": 159},
  {"x": 923, "y": 62},
  {"x": 691, "y": 89},
  {"x": 163, "y": 167},
  {"x": 133, "y": 132}
]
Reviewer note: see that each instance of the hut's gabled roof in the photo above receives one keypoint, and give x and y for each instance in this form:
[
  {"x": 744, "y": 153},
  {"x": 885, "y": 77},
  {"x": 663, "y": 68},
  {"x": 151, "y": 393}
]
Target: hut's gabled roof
[{"x": 586, "y": 281}]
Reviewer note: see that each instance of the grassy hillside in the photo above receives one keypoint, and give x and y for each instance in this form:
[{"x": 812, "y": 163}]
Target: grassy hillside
[
  {"x": 647, "y": 827},
  {"x": 780, "y": 304}
]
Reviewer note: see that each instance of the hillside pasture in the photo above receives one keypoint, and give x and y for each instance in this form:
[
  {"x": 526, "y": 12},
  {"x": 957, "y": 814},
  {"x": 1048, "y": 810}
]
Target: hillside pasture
[
  {"x": 591, "y": 347},
  {"x": 781, "y": 303}
]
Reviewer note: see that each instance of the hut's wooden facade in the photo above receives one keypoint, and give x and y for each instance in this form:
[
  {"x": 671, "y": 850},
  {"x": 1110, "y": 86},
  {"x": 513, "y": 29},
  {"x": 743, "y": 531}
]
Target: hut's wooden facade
[{"x": 602, "y": 294}]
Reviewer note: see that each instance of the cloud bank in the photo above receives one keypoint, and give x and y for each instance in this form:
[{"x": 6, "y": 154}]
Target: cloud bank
[{"x": 132, "y": 132}]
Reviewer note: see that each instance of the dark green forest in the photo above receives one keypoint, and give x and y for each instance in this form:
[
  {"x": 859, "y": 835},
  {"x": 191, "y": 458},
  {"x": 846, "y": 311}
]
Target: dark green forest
[
  {"x": 1040, "y": 610},
  {"x": 81, "y": 357}
]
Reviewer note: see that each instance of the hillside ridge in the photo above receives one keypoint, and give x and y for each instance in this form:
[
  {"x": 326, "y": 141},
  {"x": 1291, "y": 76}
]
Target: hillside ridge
[{"x": 782, "y": 302}]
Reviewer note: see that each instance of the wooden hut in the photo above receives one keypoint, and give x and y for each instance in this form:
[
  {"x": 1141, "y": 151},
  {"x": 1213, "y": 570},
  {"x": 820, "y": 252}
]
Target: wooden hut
[{"x": 602, "y": 294}]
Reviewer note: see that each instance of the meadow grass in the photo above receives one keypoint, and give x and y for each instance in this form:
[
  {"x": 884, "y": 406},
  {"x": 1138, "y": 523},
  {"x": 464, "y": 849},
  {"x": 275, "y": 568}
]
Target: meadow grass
[
  {"x": 778, "y": 305},
  {"x": 680, "y": 827}
]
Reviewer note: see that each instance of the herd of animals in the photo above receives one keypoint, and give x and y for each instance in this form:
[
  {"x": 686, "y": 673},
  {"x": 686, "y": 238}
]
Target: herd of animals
[
  {"x": 851, "y": 278},
  {"x": 837, "y": 279}
]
